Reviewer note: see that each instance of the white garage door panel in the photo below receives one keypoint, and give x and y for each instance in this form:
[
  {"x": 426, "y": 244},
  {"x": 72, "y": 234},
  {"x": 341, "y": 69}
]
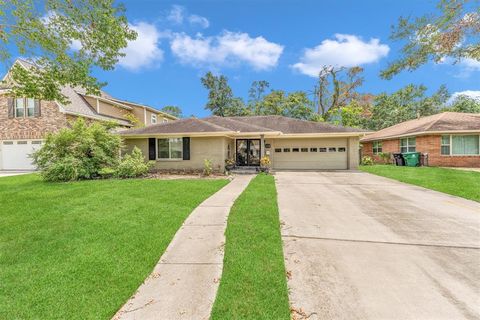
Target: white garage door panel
[
  {"x": 16, "y": 156},
  {"x": 310, "y": 160}
]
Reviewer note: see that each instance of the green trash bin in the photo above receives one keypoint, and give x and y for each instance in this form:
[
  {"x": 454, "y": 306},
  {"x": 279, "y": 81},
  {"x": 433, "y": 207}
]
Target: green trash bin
[{"x": 412, "y": 159}]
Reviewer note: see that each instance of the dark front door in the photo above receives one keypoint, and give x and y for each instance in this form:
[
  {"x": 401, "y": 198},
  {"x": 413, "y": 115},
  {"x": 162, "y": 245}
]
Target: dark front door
[{"x": 248, "y": 152}]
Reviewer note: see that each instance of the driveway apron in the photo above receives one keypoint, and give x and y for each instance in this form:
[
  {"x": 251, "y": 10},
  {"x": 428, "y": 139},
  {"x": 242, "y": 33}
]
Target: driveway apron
[
  {"x": 184, "y": 283},
  {"x": 359, "y": 246}
]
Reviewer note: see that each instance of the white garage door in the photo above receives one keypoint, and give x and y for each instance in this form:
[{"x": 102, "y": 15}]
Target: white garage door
[
  {"x": 16, "y": 154},
  {"x": 312, "y": 154}
]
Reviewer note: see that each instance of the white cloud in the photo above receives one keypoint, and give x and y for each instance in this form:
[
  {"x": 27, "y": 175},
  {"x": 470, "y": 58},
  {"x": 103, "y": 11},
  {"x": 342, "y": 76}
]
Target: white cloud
[
  {"x": 228, "y": 48},
  {"x": 345, "y": 51},
  {"x": 199, "y": 20},
  {"x": 469, "y": 93},
  {"x": 144, "y": 50},
  {"x": 178, "y": 14},
  {"x": 467, "y": 67}
]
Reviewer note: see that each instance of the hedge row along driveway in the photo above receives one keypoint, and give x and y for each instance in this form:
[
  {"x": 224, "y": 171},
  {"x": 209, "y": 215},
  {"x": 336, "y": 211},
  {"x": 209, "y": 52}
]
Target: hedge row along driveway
[{"x": 79, "y": 250}]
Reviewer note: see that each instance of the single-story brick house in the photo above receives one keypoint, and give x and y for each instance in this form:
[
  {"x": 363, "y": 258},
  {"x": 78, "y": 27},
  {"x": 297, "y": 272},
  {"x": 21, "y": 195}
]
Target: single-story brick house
[
  {"x": 450, "y": 139},
  {"x": 289, "y": 143}
]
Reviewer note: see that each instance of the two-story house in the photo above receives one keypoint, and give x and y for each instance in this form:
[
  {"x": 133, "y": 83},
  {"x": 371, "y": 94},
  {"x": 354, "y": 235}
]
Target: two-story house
[{"x": 24, "y": 121}]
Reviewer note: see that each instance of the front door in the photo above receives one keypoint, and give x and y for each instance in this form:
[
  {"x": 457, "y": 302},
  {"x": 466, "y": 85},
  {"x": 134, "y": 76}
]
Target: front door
[{"x": 248, "y": 152}]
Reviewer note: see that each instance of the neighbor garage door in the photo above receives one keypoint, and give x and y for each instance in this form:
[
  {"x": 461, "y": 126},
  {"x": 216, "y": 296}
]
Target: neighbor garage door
[
  {"x": 316, "y": 154},
  {"x": 15, "y": 154}
]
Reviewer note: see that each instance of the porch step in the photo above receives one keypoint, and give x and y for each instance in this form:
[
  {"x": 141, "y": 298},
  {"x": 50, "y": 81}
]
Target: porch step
[{"x": 244, "y": 170}]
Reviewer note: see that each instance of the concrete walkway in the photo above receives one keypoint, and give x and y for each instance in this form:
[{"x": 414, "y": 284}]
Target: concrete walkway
[
  {"x": 359, "y": 246},
  {"x": 184, "y": 283}
]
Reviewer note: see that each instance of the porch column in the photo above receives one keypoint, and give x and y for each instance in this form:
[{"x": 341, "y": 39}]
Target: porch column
[{"x": 262, "y": 145}]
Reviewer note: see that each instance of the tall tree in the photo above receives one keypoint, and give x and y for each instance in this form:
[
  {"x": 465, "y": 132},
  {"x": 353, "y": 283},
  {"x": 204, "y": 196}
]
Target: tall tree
[
  {"x": 221, "y": 101},
  {"x": 336, "y": 87},
  {"x": 356, "y": 114},
  {"x": 465, "y": 104},
  {"x": 173, "y": 110},
  {"x": 405, "y": 104},
  {"x": 451, "y": 33},
  {"x": 65, "y": 39},
  {"x": 256, "y": 94},
  {"x": 294, "y": 105}
]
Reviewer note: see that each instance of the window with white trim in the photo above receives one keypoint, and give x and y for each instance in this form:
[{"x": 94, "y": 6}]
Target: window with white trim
[
  {"x": 445, "y": 145},
  {"x": 170, "y": 149},
  {"x": 377, "y": 147},
  {"x": 408, "y": 145},
  {"x": 460, "y": 145},
  {"x": 153, "y": 120},
  {"x": 24, "y": 107}
]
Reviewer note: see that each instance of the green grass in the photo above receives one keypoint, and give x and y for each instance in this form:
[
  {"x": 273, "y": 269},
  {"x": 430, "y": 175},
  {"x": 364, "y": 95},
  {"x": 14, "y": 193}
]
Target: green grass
[
  {"x": 465, "y": 184},
  {"x": 253, "y": 284},
  {"x": 79, "y": 250}
]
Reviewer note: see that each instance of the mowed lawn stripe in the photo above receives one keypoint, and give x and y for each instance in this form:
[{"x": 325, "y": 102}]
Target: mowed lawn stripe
[
  {"x": 461, "y": 183},
  {"x": 253, "y": 283},
  {"x": 79, "y": 250}
]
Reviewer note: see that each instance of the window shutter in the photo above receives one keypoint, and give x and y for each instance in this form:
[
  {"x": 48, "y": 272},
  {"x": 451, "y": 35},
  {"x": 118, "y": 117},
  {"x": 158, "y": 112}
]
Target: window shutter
[
  {"x": 36, "y": 110},
  {"x": 151, "y": 149},
  {"x": 11, "y": 107},
  {"x": 186, "y": 148}
]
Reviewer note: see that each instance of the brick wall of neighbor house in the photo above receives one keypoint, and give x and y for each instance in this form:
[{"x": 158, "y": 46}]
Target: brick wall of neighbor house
[
  {"x": 388, "y": 146},
  {"x": 50, "y": 120},
  {"x": 430, "y": 144}
]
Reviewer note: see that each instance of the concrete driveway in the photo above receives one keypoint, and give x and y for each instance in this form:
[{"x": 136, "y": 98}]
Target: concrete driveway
[
  {"x": 13, "y": 173},
  {"x": 359, "y": 246}
]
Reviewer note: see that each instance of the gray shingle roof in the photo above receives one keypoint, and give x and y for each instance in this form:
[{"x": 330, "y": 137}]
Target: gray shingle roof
[
  {"x": 289, "y": 125},
  {"x": 442, "y": 122},
  {"x": 189, "y": 125},
  {"x": 260, "y": 124}
]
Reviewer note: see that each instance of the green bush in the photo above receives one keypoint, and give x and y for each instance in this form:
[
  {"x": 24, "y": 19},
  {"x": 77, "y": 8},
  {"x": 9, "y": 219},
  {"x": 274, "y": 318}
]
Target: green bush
[
  {"x": 79, "y": 152},
  {"x": 207, "y": 167},
  {"x": 107, "y": 173},
  {"x": 385, "y": 156},
  {"x": 133, "y": 165},
  {"x": 367, "y": 161}
]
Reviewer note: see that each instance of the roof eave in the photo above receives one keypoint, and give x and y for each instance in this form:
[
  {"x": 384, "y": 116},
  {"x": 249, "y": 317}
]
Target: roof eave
[
  {"x": 147, "y": 107},
  {"x": 420, "y": 133},
  {"x": 322, "y": 134},
  {"x": 125, "y": 134}
]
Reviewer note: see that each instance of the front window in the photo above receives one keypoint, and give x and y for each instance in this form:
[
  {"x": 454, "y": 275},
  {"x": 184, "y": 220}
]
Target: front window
[
  {"x": 30, "y": 107},
  {"x": 165, "y": 120},
  {"x": 408, "y": 145},
  {"x": 171, "y": 148},
  {"x": 19, "y": 107},
  {"x": 465, "y": 145},
  {"x": 154, "y": 118},
  {"x": 377, "y": 147},
  {"x": 24, "y": 107},
  {"x": 445, "y": 146}
]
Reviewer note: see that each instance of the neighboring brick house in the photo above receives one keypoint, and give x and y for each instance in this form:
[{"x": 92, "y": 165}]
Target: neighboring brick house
[
  {"x": 24, "y": 122},
  {"x": 450, "y": 139}
]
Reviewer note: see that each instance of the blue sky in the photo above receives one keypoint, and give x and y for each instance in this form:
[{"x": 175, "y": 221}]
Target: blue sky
[{"x": 283, "y": 42}]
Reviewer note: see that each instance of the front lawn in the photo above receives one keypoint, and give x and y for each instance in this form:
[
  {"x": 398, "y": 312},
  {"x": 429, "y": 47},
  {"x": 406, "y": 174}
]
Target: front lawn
[
  {"x": 79, "y": 250},
  {"x": 253, "y": 284},
  {"x": 465, "y": 184}
]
